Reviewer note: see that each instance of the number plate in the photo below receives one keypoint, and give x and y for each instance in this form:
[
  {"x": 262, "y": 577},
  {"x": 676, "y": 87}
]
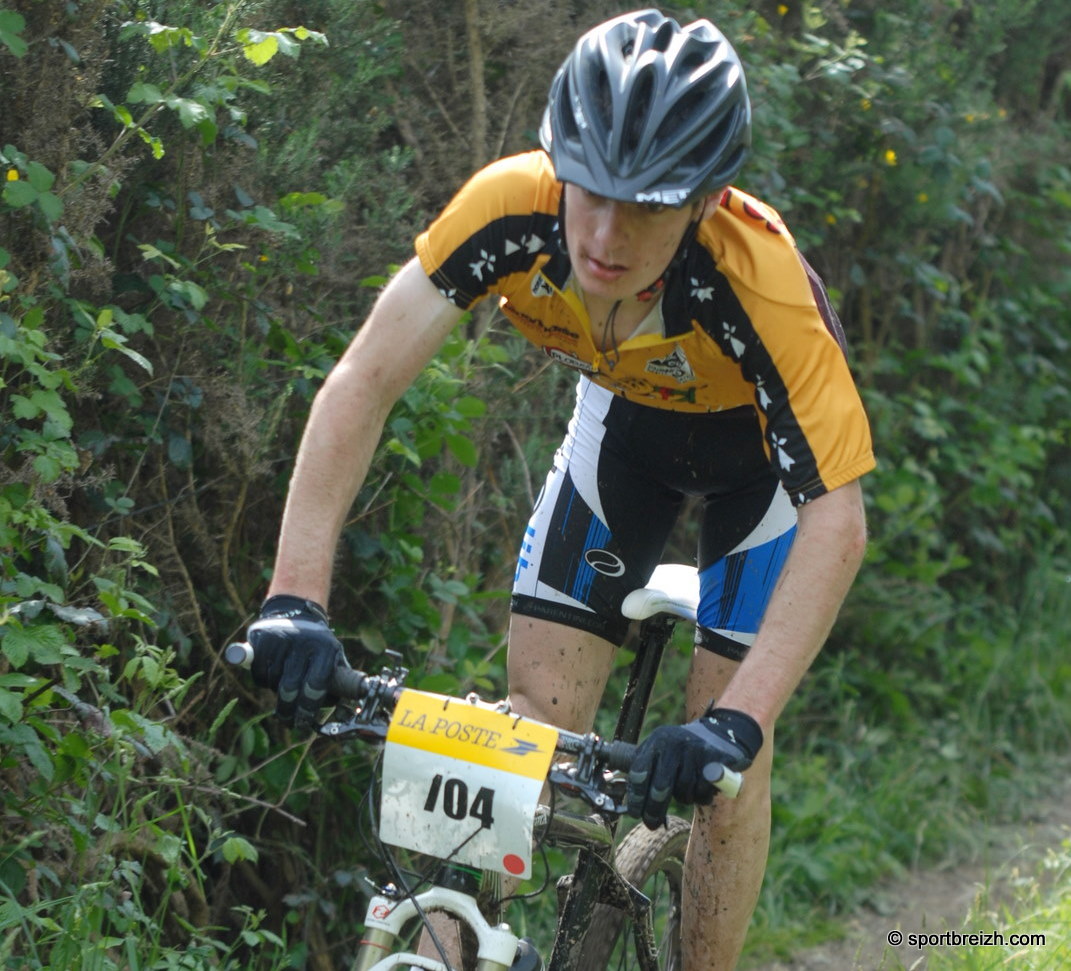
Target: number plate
[{"x": 461, "y": 781}]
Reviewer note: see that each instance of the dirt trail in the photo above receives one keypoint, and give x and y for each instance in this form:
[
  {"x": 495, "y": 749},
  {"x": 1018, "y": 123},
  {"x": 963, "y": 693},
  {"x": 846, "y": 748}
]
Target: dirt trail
[{"x": 949, "y": 898}]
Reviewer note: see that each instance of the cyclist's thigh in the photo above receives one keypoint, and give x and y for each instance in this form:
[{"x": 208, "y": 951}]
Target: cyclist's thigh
[
  {"x": 599, "y": 526},
  {"x": 557, "y": 673}
]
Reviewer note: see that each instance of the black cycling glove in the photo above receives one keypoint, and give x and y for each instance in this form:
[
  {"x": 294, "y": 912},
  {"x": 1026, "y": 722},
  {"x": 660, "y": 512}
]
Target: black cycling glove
[
  {"x": 669, "y": 763},
  {"x": 295, "y": 654}
]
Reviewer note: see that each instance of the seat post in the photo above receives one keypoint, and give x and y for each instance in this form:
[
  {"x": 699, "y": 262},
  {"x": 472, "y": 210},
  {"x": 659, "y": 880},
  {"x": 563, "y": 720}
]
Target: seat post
[{"x": 655, "y": 633}]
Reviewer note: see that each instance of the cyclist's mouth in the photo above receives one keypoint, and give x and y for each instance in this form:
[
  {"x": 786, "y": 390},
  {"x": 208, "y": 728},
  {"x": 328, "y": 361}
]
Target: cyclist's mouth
[{"x": 605, "y": 272}]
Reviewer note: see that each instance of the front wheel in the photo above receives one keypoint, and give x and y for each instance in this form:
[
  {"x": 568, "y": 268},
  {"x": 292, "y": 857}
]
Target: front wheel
[{"x": 653, "y": 862}]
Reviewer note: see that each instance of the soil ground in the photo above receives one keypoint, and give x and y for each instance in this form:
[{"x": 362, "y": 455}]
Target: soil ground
[{"x": 965, "y": 897}]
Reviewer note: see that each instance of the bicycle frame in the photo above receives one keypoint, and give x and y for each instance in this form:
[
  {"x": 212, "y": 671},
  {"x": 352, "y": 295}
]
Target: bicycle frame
[{"x": 594, "y": 880}]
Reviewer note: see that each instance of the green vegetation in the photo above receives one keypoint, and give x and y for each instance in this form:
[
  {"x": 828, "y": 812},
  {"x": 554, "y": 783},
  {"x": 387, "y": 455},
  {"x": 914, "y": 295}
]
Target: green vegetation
[
  {"x": 1040, "y": 913},
  {"x": 197, "y": 202}
]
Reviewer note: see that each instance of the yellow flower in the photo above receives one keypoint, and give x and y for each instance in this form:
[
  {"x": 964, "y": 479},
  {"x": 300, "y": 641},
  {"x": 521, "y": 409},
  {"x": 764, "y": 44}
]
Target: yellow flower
[
  {"x": 866, "y": 104},
  {"x": 968, "y": 118},
  {"x": 13, "y": 175},
  {"x": 890, "y": 157},
  {"x": 262, "y": 258},
  {"x": 781, "y": 9},
  {"x": 922, "y": 197},
  {"x": 831, "y": 219}
]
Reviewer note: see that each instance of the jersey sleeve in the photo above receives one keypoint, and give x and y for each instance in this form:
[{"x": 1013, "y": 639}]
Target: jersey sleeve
[
  {"x": 493, "y": 228},
  {"x": 781, "y": 328}
]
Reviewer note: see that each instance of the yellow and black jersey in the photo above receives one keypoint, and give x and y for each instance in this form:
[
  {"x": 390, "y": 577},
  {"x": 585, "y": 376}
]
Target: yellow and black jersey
[{"x": 745, "y": 320}]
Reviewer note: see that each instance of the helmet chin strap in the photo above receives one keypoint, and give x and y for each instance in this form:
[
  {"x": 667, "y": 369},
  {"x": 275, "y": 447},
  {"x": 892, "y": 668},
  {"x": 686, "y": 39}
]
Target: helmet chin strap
[{"x": 653, "y": 290}]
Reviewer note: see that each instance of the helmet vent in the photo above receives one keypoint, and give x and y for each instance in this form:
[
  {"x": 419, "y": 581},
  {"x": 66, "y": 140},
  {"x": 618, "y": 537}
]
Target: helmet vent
[
  {"x": 637, "y": 112},
  {"x": 664, "y": 36}
]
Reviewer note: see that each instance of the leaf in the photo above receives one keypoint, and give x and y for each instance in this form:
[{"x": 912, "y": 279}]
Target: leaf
[
  {"x": 16, "y": 645},
  {"x": 261, "y": 47},
  {"x": 53, "y": 406},
  {"x": 39, "y": 176},
  {"x": 142, "y": 93},
  {"x": 117, "y": 342},
  {"x": 190, "y": 112},
  {"x": 22, "y": 407},
  {"x": 51, "y": 205},
  {"x": 79, "y": 616},
  {"x": 220, "y": 719},
  {"x": 179, "y": 451},
  {"x": 49, "y": 644},
  {"x": 19, "y": 194},
  {"x": 463, "y": 449},
  {"x": 10, "y": 706},
  {"x": 471, "y": 407},
  {"x": 235, "y": 848},
  {"x": 11, "y": 25}
]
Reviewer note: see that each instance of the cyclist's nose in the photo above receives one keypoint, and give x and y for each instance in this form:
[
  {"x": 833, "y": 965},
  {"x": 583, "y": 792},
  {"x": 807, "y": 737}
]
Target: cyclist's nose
[{"x": 612, "y": 224}]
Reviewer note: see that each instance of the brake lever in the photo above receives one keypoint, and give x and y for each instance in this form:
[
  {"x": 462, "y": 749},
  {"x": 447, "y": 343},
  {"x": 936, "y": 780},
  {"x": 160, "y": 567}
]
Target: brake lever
[
  {"x": 371, "y": 713},
  {"x": 570, "y": 779}
]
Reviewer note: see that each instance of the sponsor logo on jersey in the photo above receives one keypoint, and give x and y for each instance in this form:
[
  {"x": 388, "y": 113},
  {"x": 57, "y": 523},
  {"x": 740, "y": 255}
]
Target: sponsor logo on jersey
[
  {"x": 541, "y": 286},
  {"x": 604, "y": 562},
  {"x": 674, "y": 365},
  {"x": 570, "y": 360}
]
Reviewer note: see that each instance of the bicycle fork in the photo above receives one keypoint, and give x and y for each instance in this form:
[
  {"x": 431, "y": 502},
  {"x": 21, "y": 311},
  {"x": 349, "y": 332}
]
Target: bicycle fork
[{"x": 496, "y": 946}]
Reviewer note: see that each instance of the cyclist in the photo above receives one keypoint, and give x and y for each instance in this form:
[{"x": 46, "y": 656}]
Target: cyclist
[{"x": 711, "y": 364}]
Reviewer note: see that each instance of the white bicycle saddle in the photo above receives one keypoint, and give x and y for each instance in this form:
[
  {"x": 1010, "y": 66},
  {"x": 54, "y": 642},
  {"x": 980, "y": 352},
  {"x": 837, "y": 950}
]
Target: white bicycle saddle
[{"x": 672, "y": 589}]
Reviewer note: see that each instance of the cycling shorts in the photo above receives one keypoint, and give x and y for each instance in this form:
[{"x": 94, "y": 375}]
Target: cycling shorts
[{"x": 610, "y": 501}]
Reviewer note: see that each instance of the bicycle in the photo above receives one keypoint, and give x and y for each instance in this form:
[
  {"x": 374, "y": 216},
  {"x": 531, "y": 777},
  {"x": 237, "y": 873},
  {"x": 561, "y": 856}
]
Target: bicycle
[{"x": 443, "y": 772}]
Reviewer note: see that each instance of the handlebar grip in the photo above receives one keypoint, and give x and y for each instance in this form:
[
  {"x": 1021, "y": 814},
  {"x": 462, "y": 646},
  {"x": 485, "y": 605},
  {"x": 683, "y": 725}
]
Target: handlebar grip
[
  {"x": 725, "y": 780},
  {"x": 239, "y": 654},
  {"x": 619, "y": 755},
  {"x": 347, "y": 683}
]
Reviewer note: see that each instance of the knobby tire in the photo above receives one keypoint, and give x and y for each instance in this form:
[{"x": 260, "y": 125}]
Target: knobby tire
[{"x": 652, "y": 861}]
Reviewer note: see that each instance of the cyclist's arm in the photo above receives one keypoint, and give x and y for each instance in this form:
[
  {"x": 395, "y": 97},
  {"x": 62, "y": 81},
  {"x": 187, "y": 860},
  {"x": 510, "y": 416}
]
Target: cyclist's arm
[
  {"x": 407, "y": 325},
  {"x": 825, "y": 557}
]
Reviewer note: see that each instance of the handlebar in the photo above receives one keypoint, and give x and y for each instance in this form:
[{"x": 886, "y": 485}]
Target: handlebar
[{"x": 375, "y": 696}]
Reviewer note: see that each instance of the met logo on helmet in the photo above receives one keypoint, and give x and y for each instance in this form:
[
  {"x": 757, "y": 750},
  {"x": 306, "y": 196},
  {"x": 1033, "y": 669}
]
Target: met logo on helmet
[{"x": 665, "y": 197}]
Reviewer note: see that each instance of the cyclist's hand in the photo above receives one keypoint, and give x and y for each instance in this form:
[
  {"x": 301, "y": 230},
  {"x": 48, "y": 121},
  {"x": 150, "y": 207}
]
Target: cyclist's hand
[
  {"x": 295, "y": 654},
  {"x": 669, "y": 763}
]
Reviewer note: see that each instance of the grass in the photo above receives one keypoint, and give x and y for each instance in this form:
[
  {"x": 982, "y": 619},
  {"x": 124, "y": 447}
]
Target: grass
[
  {"x": 901, "y": 761},
  {"x": 1033, "y": 933}
]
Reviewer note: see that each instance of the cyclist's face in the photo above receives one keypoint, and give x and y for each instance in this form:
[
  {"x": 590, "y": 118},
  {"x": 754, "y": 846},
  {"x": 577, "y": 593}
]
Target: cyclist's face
[{"x": 618, "y": 248}]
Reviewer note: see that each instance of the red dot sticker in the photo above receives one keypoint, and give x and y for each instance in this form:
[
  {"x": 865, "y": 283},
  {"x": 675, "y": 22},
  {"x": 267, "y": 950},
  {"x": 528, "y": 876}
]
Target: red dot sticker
[{"x": 513, "y": 863}]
